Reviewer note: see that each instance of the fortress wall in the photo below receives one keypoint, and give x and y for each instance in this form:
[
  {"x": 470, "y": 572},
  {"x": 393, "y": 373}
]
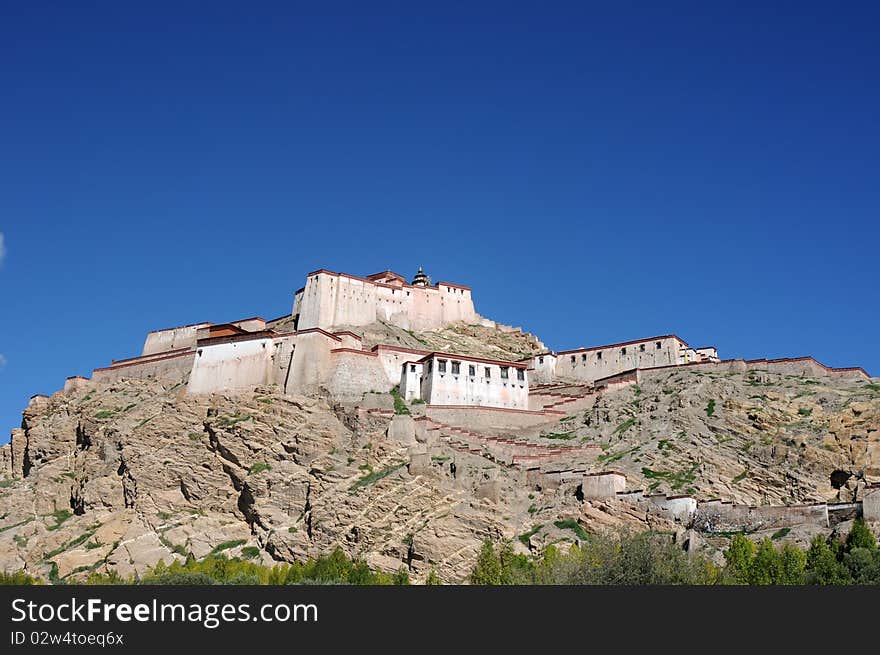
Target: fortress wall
[
  {"x": 76, "y": 382},
  {"x": 621, "y": 379},
  {"x": 542, "y": 369},
  {"x": 336, "y": 299},
  {"x": 480, "y": 418},
  {"x": 311, "y": 362},
  {"x": 255, "y": 324},
  {"x": 715, "y": 516},
  {"x": 608, "y": 484},
  {"x": 595, "y": 363},
  {"x": 173, "y": 367},
  {"x": 172, "y": 338},
  {"x": 871, "y": 504},
  {"x": 678, "y": 508},
  {"x": 282, "y": 358},
  {"x": 393, "y": 359},
  {"x": 239, "y": 364},
  {"x": 354, "y": 373}
]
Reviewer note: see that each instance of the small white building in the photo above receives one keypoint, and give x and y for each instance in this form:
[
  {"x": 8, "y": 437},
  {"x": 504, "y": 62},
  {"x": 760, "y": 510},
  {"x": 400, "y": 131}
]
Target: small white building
[{"x": 458, "y": 380}]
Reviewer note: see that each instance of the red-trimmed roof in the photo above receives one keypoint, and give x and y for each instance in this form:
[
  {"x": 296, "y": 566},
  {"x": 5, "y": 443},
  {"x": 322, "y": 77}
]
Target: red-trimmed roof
[
  {"x": 356, "y": 336},
  {"x": 180, "y": 327},
  {"x": 244, "y": 336},
  {"x": 368, "y": 353},
  {"x": 414, "y": 351},
  {"x": 622, "y": 343},
  {"x": 386, "y": 274},
  {"x": 383, "y": 284},
  {"x": 468, "y": 358},
  {"x": 318, "y": 330}
]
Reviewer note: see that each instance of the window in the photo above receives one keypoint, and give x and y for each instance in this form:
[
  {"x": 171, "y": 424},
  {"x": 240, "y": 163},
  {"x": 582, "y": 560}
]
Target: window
[
  {"x": 540, "y": 360},
  {"x": 599, "y": 355},
  {"x": 412, "y": 368},
  {"x": 429, "y": 366},
  {"x": 520, "y": 374},
  {"x": 441, "y": 365},
  {"x": 659, "y": 345},
  {"x": 472, "y": 370},
  {"x": 487, "y": 372},
  {"x": 623, "y": 351},
  {"x": 456, "y": 368},
  {"x": 642, "y": 348},
  {"x": 584, "y": 357},
  {"x": 572, "y": 359},
  {"x": 504, "y": 372}
]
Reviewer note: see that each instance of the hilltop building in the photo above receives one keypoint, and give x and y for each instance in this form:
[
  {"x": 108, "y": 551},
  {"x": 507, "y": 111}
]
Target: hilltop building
[{"x": 317, "y": 348}]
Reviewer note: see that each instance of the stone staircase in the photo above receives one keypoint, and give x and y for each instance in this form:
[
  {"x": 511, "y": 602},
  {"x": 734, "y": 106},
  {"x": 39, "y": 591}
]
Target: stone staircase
[
  {"x": 561, "y": 397},
  {"x": 507, "y": 450}
]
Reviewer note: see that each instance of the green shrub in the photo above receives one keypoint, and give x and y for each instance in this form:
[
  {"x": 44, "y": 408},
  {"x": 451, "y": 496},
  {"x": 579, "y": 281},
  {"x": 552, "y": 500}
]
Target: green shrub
[
  {"x": 399, "y": 403},
  {"x": 250, "y": 552},
  {"x": 710, "y": 408},
  {"x": 19, "y": 578},
  {"x": 259, "y": 467},
  {"x": 574, "y": 526}
]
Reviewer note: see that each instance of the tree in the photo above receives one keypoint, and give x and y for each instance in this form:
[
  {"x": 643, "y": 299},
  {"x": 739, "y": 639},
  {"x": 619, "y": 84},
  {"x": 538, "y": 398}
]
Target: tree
[
  {"x": 488, "y": 568},
  {"x": 860, "y": 536},
  {"x": 823, "y": 568},
  {"x": 766, "y": 566},
  {"x": 793, "y": 565},
  {"x": 433, "y": 580},
  {"x": 739, "y": 555},
  {"x": 401, "y": 578}
]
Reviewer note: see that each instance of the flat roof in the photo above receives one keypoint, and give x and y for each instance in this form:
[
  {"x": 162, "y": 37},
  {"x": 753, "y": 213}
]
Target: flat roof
[
  {"x": 622, "y": 343},
  {"x": 468, "y": 358}
]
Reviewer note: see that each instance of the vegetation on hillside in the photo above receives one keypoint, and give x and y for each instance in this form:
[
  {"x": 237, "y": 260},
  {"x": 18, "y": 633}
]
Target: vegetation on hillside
[{"x": 653, "y": 559}]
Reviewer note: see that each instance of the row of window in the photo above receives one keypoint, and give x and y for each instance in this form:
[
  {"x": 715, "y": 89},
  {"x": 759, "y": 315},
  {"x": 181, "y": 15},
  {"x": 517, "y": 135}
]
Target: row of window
[
  {"x": 472, "y": 370},
  {"x": 658, "y": 345}
]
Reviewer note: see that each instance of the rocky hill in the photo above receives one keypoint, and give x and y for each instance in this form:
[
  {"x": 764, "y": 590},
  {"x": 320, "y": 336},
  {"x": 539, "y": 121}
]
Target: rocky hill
[{"x": 119, "y": 476}]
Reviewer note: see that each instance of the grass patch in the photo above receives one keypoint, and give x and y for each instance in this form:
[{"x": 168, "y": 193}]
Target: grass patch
[
  {"x": 195, "y": 436},
  {"x": 780, "y": 533},
  {"x": 106, "y": 413},
  {"x": 710, "y": 408},
  {"x": 20, "y": 541},
  {"x": 525, "y": 536},
  {"x": 872, "y": 387},
  {"x": 375, "y": 476},
  {"x": 439, "y": 459},
  {"x": 143, "y": 423},
  {"x": 259, "y": 467},
  {"x": 742, "y": 476},
  {"x": 231, "y": 420},
  {"x": 292, "y": 529},
  {"x": 805, "y": 411},
  {"x": 626, "y": 425},
  {"x": 226, "y": 545},
  {"x": 574, "y": 526},
  {"x": 674, "y": 479},
  {"x": 265, "y": 400},
  {"x": 565, "y": 436},
  {"x": 567, "y": 418},
  {"x": 608, "y": 458},
  {"x": 15, "y": 525},
  {"x": 250, "y": 552},
  {"x": 60, "y": 515},
  {"x": 399, "y": 403}
]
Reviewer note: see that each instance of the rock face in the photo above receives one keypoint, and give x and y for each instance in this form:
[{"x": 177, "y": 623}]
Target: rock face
[{"x": 127, "y": 474}]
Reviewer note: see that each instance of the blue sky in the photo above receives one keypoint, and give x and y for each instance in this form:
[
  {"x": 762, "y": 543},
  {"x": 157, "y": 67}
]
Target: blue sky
[{"x": 596, "y": 171}]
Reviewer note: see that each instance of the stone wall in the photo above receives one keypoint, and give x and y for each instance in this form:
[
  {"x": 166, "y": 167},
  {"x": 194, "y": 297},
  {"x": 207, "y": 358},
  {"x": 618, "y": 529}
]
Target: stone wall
[
  {"x": 719, "y": 516},
  {"x": 173, "y": 367},
  {"x": 330, "y": 299},
  {"x": 602, "y": 485},
  {"x": 354, "y": 373},
  {"x": 479, "y": 418},
  {"x": 871, "y": 503},
  {"x": 590, "y": 364},
  {"x": 235, "y": 365},
  {"x": 172, "y": 338}
]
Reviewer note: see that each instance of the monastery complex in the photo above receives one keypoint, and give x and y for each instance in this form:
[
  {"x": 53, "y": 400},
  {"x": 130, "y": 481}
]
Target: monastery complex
[{"x": 319, "y": 347}]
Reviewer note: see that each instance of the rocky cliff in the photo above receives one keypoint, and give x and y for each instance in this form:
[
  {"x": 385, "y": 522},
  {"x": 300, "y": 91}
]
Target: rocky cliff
[{"x": 120, "y": 476}]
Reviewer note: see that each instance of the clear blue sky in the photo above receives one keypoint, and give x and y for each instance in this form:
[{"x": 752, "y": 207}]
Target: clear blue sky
[{"x": 596, "y": 171}]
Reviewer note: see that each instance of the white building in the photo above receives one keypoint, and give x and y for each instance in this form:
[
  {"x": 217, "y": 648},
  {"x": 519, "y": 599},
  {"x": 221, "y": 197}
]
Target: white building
[{"x": 459, "y": 380}]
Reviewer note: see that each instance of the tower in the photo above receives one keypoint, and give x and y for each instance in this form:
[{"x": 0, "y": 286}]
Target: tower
[{"x": 421, "y": 280}]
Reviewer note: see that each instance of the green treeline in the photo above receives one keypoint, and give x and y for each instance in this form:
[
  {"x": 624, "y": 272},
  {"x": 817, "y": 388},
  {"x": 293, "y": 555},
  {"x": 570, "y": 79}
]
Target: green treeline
[{"x": 652, "y": 559}]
